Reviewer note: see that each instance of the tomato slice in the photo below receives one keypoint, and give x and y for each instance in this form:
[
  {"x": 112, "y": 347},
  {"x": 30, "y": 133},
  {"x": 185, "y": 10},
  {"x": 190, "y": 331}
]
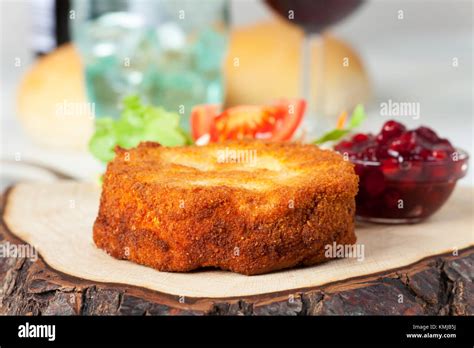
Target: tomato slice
[
  {"x": 276, "y": 122},
  {"x": 202, "y": 119},
  {"x": 293, "y": 111}
]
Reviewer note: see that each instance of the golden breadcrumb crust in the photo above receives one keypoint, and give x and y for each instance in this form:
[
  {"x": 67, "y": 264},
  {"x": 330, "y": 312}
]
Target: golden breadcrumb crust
[{"x": 249, "y": 207}]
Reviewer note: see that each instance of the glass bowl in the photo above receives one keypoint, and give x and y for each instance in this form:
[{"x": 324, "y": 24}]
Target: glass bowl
[{"x": 406, "y": 192}]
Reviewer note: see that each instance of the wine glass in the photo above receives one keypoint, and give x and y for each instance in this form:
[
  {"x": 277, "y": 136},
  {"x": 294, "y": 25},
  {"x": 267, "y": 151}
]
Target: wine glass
[{"x": 313, "y": 16}]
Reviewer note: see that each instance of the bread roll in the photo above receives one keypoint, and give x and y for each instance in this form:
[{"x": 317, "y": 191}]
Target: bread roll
[
  {"x": 52, "y": 101},
  {"x": 264, "y": 63}
]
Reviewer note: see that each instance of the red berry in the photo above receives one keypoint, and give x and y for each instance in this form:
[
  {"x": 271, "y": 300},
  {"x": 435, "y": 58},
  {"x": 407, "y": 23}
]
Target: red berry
[
  {"x": 443, "y": 144},
  {"x": 380, "y": 139},
  {"x": 390, "y": 168},
  {"x": 427, "y": 134},
  {"x": 425, "y": 154},
  {"x": 374, "y": 182},
  {"x": 345, "y": 143},
  {"x": 392, "y": 129},
  {"x": 440, "y": 155},
  {"x": 369, "y": 154},
  {"x": 382, "y": 152},
  {"x": 344, "y": 146},
  {"x": 360, "y": 138},
  {"x": 405, "y": 143}
]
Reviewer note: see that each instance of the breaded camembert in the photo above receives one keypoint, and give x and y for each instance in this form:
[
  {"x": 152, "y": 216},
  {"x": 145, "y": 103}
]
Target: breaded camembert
[{"x": 248, "y": 207}]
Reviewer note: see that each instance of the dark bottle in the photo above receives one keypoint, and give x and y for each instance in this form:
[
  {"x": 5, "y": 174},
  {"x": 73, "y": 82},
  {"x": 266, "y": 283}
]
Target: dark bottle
[{"x": 49, "y": 24}]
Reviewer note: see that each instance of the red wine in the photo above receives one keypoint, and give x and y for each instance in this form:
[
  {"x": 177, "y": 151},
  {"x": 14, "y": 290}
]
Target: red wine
[{"x": 314, "y": 15}]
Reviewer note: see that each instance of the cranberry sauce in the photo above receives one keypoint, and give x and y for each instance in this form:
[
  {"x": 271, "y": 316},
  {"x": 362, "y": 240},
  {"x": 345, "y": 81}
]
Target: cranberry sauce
[{"x": 405, "y": 175}]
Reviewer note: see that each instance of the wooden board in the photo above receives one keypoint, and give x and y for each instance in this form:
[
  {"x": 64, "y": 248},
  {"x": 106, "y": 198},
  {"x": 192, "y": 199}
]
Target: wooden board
[{"x": 75, "y": 277}]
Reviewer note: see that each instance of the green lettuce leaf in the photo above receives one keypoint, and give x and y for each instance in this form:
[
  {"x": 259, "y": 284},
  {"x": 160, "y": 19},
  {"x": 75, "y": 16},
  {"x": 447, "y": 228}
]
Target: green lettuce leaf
[
  {"x": 358, "y": 116},
  {"x": 333, "y": 135},
  {"x": 137, "y": 123}
]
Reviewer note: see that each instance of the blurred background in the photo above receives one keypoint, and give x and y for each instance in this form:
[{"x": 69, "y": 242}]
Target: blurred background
[{"x": 177, "y": 54}]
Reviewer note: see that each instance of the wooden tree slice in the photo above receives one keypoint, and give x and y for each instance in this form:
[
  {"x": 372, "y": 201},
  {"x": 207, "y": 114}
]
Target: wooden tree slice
[{"x": 438, "y": 284}]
